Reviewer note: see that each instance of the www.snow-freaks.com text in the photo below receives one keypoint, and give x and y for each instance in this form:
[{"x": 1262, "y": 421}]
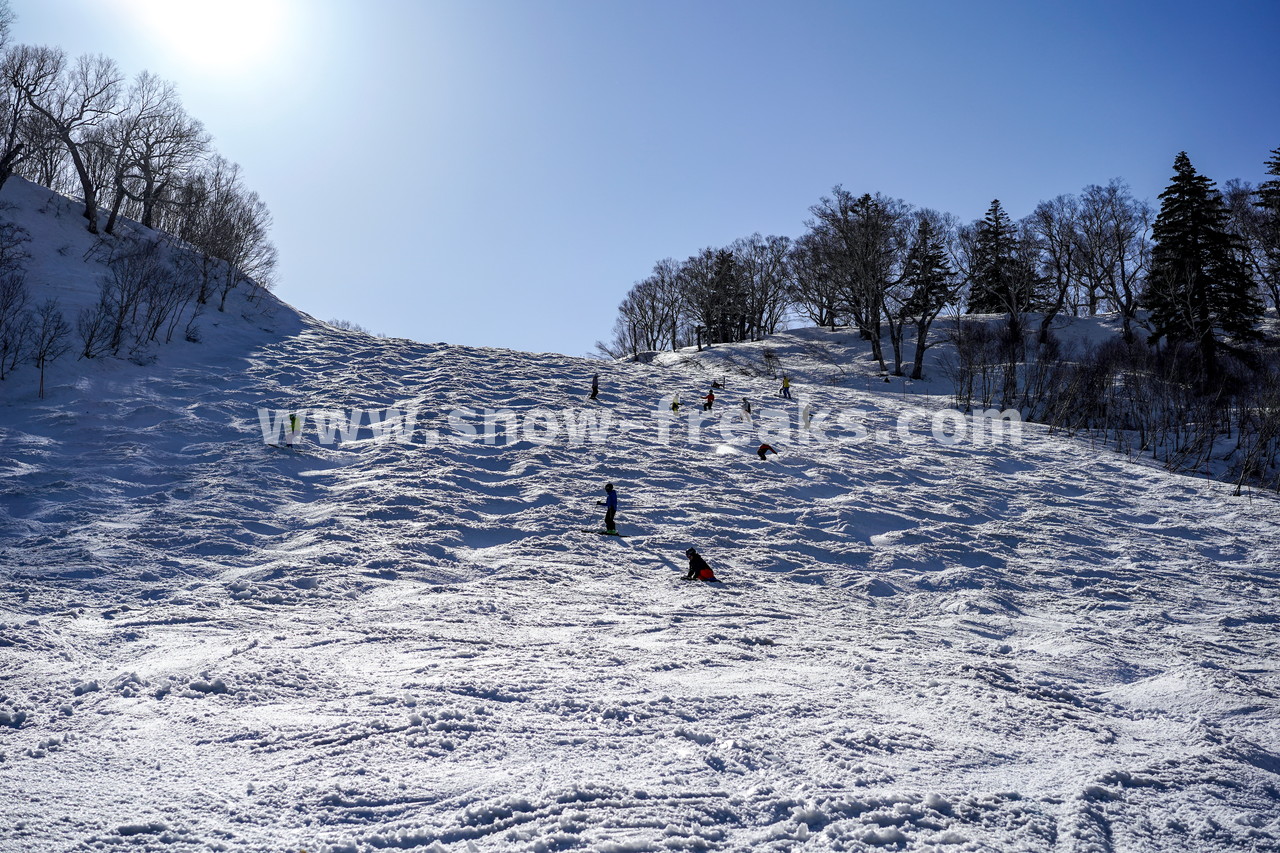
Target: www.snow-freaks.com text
[{"x": 580, "y": 427}]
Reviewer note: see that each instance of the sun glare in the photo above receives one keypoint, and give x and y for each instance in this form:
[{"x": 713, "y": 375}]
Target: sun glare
[{"x": 225, "y": 37}]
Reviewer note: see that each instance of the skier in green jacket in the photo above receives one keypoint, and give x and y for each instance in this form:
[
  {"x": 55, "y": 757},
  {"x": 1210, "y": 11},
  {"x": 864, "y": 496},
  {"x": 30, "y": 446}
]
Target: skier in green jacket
[{"x": 294, "y": 430}]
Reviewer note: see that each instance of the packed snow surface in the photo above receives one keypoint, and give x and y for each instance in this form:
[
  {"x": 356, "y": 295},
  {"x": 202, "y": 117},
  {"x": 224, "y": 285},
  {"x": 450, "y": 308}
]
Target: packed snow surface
[{"x": 207, "y": 643}]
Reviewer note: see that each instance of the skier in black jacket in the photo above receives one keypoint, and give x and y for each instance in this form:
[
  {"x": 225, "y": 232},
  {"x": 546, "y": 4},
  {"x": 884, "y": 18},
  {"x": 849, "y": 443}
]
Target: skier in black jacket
[{"x": 698, "y": 568}]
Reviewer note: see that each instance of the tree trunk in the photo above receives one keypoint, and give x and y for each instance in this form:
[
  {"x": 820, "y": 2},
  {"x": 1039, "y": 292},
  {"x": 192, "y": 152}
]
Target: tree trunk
[
  {"x": 149, "y": 192},
  {"x": 1043, "y": 337},
  {"x": 896, "y": 329},
  {"x": 922, "y": 331},
  {"x": 877, "y": 350},
  {"x": 7, "y": 161},
  {"x": 115, "y": 204},
  {"x": 86, "y": 183}
]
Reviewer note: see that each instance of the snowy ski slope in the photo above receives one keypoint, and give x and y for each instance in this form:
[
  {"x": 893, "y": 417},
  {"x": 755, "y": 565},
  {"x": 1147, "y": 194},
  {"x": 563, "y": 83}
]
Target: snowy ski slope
[{"x": 210, "y": 644}]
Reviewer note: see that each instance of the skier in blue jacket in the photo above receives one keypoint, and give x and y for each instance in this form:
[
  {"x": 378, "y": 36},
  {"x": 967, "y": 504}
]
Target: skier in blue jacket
[{"x": 610, "y": 504}]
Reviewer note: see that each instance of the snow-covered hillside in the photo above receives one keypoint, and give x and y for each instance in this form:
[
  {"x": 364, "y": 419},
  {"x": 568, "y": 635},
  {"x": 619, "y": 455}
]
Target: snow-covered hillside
[{"x": 211, "y": 644}]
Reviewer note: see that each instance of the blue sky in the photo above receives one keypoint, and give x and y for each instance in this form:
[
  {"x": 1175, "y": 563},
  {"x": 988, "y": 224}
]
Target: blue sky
[{"x": 500, "y": 173}]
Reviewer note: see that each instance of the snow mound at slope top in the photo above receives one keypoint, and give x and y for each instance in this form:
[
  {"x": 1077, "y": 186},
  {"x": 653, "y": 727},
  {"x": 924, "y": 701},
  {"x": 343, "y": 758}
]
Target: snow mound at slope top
[
  {"x": 385, "y": 644},
  {"x": 66, "y": 263},
  {"x": 840, "y": 357}
]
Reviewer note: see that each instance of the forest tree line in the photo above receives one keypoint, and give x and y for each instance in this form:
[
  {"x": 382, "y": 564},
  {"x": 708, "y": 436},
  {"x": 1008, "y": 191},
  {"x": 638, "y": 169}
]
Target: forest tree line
[
  {"x": 127, "y": 150},
  {"x": 879, "y": 264}
]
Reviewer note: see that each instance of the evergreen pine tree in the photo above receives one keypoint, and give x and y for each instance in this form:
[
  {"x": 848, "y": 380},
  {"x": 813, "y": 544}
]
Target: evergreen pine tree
[
  {"x": 994, "y": 286},
  {"x": 1268, "y": 193},
  {"x": 929, "y": 279},
  {"x": 927, "y": 271},
  {"x": 1199, "y": 292},
  {"x": 730, "y": 310}
]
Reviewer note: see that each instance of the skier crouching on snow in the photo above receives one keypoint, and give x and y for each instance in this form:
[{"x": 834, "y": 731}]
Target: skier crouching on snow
[
  {"x": 610, "y": 504},
  {"x": 698, "y": 568},
  {"x": 765, "y": 449}
]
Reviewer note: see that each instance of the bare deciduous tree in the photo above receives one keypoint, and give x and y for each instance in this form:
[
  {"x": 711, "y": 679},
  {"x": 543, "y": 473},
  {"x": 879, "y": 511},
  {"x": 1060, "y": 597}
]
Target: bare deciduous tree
[
  {"x": 766, "y": 276},
  {"x": 250, "y": 256},
  {"x": 73, "y": 98},
  {"x": 814, "y": 288},
  {"x": 670, "y": 309},
  {"x": 1248, "y": 223},
  {"x": 135, "y": 270},
  {"x": 702, "y": 296},
  {"x": 641, "y": 312},
  {"x": 49, "y": 337},
  {"x": 1054, "y": 226},
  {"x": 1115, "y": 249},
  {"x": 150, "y": 142},
  {"x": 93, "y": 328},
  {"x": 15, "y": 321},
  {"x": 44, "y": 159},
  {"x": 227, "y": 225},
  {"x": 6, "y": 22},
  {"x": 11, "y": 103},
  {"x": 864, "y": 242}
]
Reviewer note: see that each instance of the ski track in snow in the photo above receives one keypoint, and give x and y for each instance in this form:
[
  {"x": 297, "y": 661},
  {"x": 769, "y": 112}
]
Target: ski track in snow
[{"x": 211, "y": 644}]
